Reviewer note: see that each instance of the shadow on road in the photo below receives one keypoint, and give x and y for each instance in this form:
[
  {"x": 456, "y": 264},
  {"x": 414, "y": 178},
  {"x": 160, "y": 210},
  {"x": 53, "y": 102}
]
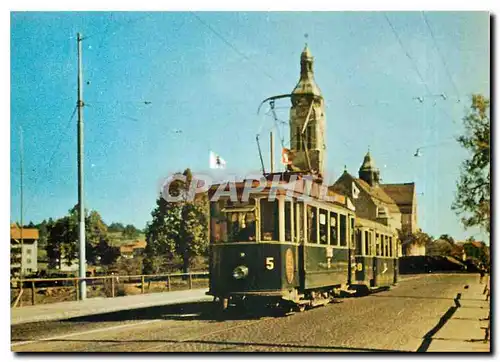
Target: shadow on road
[
  {"x": 205, "y": 311},
  {"x": 230, "y": 345}
]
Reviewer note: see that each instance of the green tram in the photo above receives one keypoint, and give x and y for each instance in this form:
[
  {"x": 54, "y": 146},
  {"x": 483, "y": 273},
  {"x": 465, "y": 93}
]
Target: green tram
[{"x": 292, "y": 251}]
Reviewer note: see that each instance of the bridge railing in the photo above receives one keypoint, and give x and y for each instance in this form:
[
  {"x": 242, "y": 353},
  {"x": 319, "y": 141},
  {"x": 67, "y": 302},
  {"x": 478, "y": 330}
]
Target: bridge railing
[{"x": 50, "y": 290}]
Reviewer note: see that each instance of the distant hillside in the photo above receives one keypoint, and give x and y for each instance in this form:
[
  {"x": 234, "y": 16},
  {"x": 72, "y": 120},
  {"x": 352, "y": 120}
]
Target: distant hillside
[{"x": 117, "y": 239}]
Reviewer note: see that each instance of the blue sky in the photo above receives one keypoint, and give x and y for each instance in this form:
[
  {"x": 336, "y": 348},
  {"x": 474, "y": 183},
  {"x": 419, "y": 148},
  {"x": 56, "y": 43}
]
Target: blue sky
[{"x": 210, "y": 89}]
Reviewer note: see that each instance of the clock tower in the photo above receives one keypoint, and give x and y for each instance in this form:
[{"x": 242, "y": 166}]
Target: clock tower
[{"x": 307, "y": 121}]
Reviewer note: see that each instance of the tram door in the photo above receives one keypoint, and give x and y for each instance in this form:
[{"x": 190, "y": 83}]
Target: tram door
[{"x": 299, "y": 235}]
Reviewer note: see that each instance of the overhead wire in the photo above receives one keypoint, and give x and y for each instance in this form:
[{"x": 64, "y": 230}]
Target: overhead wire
[
  {"x": 441, "y": 56},
  {"x": 229, "y": 44},
  {"x": 54, "y": 152}
]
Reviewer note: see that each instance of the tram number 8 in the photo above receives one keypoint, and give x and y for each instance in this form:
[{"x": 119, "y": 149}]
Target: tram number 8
[{"x": 270, "y": 263}]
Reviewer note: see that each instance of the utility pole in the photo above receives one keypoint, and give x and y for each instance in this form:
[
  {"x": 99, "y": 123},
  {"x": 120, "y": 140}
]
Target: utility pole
[
  {"x": 22, "y": 199},
  {"x": 81, "y": 209}
]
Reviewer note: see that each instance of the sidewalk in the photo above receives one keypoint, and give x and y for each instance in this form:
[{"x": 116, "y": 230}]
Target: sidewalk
[
  {"x": 65, "y": 310},
  {"x": 465, "y": 331}
]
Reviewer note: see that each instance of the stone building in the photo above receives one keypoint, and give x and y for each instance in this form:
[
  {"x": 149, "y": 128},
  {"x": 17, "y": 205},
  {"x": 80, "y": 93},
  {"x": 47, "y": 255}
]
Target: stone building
[
  {"x": 23, "y": 250},
  {"x": 392, "y": 205}
]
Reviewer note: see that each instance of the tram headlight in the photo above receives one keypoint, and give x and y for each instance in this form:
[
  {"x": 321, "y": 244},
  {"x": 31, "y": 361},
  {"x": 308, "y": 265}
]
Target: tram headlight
[{"x": 240, "y": 272}]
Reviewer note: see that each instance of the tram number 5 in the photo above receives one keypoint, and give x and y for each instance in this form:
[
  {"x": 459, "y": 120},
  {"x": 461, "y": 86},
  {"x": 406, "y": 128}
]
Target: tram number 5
[{"x": 270, "y": 263}]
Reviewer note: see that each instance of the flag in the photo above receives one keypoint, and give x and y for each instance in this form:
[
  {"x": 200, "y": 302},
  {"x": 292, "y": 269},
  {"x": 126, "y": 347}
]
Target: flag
[
  {"x": 355, "y": 191},
  {"x": 286, "y": 156},
  {"x": 216, "y": 161}
]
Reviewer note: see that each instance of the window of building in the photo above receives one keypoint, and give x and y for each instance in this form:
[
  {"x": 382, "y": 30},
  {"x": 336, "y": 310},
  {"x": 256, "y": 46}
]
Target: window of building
[
  {"x": 269, "y": 219},
  {"x": 323, "y": 227},
  {"x": 343, "y": 230},
  {"x": 288, "y": 221},
  {"x": 334, "y": 240},
  {"x": 312, "y": 222},
  {"x": 28, "y": 261},
  {"x": 28, "y": 251}
]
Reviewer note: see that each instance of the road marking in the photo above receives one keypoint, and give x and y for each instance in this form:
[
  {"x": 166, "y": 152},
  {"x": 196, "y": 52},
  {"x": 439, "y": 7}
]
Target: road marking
[{"x": 85, "y": 332}]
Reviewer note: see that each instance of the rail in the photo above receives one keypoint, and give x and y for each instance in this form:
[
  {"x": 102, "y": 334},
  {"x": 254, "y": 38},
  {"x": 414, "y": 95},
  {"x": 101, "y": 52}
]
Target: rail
[{"x": 109, "y": 284}]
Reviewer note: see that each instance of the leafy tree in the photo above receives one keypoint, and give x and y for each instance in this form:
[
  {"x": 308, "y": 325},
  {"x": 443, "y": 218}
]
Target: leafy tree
[
  {"x": 161, "y": 235},
  {"x": 448, "y": 238},
  {"x": 472, "y": 199},
  {"x": 130, "y": 231},
  {"x": 116, "y": 227},
  {"x": 408, "y": 239},
  {"x": 178, "y": 228},
  {"x": 62, "y": 242}
]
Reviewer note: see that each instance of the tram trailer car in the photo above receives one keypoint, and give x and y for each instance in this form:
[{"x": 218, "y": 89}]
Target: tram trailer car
[{"x": 289, "y": 251}]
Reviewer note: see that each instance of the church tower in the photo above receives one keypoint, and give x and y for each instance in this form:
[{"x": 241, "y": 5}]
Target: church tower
[
  {"x": 307, "y": 121},
  {"x": 368, "y": 172}
]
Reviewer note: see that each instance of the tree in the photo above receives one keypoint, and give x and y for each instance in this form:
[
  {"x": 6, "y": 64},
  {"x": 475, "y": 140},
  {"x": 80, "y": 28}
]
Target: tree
[
  {"x": 62, "y": 241},
  {"x": 116, "y": 227},
  {"x": 178, "y": 228},
  {"x": 472, "y": 200},
  {"x": 161, "y": 235},
  {"x": 408, "y": 239},
  {"x": 448, "y": 238},
  {"x": 130, "y": 231}
]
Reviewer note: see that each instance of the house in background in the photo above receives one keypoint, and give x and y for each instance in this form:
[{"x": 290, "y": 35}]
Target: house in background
[
  {"x": 413, "y": 247},
  {"x": 23, "y": 250},
  {"x": 392, "y": 205},
  {"x": 128, "y": 251}
]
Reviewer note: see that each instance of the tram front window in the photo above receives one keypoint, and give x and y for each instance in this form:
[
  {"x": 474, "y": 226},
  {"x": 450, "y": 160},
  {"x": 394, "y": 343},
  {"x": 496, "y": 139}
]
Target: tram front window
[
  {"x": 232, "y": 222},
  {"x": 241, "y": 226},
  {"x": 269, "y": 220}
]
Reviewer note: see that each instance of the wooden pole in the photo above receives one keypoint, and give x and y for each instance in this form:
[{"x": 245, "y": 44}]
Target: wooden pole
[
  {"x": 33, "y": 295},
  {"x": 81, "y": 209}
]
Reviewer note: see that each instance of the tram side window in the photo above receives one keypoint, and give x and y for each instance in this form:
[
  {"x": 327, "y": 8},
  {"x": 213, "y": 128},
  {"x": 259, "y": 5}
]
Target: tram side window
[
  {"x": 333, "y": 229},
  {"x": 288, "y": 221},
  {"x": 377, "y": 244},
  {"x": 299, "y": 233},
  {"x": 269, "y": 219},
  {"x": 367, "y": 243},
  {"x": 352, "y": 231},
  {"x": 386, "y": 245},
  {"x": 323, "y": 227},
  {"x": 359, "y": 242},
  {"x": 312, "y": 227},
  {"x": 343, "y": 230},
  {"x": 390, "y": 246}
]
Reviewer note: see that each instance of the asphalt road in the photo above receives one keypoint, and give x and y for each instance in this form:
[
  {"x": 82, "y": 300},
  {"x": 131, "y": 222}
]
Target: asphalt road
[{"x": 393, "y": 320}]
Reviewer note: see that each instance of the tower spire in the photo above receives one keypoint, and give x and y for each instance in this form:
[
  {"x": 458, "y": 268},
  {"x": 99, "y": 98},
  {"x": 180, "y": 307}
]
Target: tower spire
[{"x": 307, "y": 120}]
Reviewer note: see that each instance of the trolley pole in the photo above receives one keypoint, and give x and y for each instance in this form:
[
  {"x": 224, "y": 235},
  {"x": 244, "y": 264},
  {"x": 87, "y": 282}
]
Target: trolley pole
[
  {"x": 81, "y": 209},
  {"x": 272, "y": 151}
]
